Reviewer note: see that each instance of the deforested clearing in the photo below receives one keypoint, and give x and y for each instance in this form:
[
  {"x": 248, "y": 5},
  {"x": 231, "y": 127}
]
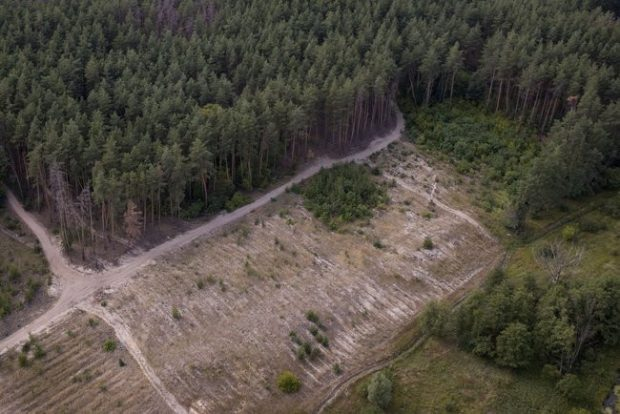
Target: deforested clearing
[
  {"x": 221, "y": 319},
  {"x": 77, "y": 370}
]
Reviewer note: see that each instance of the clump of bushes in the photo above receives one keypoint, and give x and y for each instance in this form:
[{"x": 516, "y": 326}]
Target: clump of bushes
[
  {"x": 312, "y": 317},
  {"x": 343, "y": 194},
  {"x": 237, "y": 200},
  {"x": 288, "y": 382}
]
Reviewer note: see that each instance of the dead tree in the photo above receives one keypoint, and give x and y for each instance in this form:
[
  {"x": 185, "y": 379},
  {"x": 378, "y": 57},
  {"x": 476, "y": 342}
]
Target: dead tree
[
  {"x": 558, "y": 259},
  {"x": 66, "y": 214}
]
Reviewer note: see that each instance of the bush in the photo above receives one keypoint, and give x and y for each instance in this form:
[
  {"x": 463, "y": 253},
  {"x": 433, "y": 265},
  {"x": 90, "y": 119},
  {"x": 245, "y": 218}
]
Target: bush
[
  {"x": 428, "y": 244},
  {"x": 571, "y": 387},
  {"x": 379, "y": 389},
  {"x": 109, "y": 345},
  {"x": 343, "y": 194},
  {"x": 569, "y": 232},
  {"x": 22, "y": 359},
  {"x": 322, "y": 339},
  {"x": 38, "y": 351},
  {"x": 236, "y": 201},
  {"x": 288, "y": 382},
  {"x": 337, "y": 369},
  {"x": 176, "y": 314},
  {"x": 312, "y": 317},
  {"x": 435, "y": 318}
]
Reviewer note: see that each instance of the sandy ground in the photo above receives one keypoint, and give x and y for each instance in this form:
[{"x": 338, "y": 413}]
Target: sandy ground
[
  {"x": 240, "y": 294},
  {"x": 76, "y": 375}
]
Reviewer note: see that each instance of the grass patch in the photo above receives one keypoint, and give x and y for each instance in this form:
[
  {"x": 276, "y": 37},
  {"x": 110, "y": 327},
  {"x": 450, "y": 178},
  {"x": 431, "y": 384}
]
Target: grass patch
[
  {"x": 23, "y": 272},
  {"x": 441, "y": 377}
]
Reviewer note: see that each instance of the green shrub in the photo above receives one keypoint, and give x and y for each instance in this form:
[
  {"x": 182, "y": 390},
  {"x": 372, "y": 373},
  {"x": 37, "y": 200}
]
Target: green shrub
[
  {"x": 379, "y": 389},
  {"x": 514, "y": 346},
  {"x": 109, "y": 345},
  {"x": 428, "y": 244},
  {"x": 435, "y": 318},
  {"x": 323, "y": 340},
  {"x": 237, "y": 200},
  {"x": 200, "y": 284},
  {"x": 377, "y": 244},
  {"x": 337, "y": 369},
  {"x": 288, "y": 382},
  {"x": 22, "y": 359},
  {"x": 571, "y": 387},
  {"x": 312, "y": 317},
  {"x": 39, "y": 352},
  {"x": 569, "y": 232}
]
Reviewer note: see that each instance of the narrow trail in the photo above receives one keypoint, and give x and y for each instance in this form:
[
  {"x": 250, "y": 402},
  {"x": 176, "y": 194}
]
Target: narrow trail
[
  {"x": 124, "y": 336},
  {"x": 337, "y": 389},
  {"x": 432, "y": 199}
]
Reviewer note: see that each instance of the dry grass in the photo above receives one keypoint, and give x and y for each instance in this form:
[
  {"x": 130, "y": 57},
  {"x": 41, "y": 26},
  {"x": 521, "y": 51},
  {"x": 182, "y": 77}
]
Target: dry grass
[
  {"x": 366, "y": 283},
  {"x": 76, "y": 375}
]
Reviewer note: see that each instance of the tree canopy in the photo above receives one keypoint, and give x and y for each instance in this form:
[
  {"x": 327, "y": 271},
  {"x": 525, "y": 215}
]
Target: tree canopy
[{"x": 176, "y": 104}]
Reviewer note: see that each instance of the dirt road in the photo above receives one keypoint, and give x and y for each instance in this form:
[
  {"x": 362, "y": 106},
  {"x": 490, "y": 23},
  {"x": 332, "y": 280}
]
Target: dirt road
[{"x": 75, "y": 286}]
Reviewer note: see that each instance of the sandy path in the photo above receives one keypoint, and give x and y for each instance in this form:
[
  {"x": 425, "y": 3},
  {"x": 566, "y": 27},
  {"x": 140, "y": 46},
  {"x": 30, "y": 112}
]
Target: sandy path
[{"x": 76, "y": 286}]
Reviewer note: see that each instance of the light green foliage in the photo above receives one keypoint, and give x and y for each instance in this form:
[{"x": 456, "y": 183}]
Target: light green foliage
[
  {"x": 288, "y": 382},
  {"x": 380, "y": 389},
  {"x": 569, "y": 232}
]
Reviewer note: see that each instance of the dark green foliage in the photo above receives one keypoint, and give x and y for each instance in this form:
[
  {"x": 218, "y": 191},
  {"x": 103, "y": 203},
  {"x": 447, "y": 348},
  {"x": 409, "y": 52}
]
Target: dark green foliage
[
  {"x": 476, "y": 140},
  {"x": 237, "y": 200},
  {"x": 313, "y": 317},
  {"x": 288, "y": 382},
  {"x": 22, "y": 359},
  {"x": 514, "y": 346},
  {"x": 428, "y": 243},
  {"x": 379, "y": 389},
  {"x": 556, "y": 324},
  {"x": 21, "y": 276},
  {"x": 343, "y": 194},
  {"x": 176, "y": 105},
  {"x": 435, "y": 318},
  {"x": 337, "y": 369}
]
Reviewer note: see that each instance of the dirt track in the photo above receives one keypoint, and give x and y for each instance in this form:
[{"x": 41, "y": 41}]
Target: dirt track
[{"x": 76, "y": 286}]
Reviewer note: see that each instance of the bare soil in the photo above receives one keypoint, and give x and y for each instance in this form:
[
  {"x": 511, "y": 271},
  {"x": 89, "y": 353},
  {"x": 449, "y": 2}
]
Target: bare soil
[
  {"x": 76, "y": 375},
  {"x": 240, "y": 294},
  {"x": 207, "y": 316}
]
